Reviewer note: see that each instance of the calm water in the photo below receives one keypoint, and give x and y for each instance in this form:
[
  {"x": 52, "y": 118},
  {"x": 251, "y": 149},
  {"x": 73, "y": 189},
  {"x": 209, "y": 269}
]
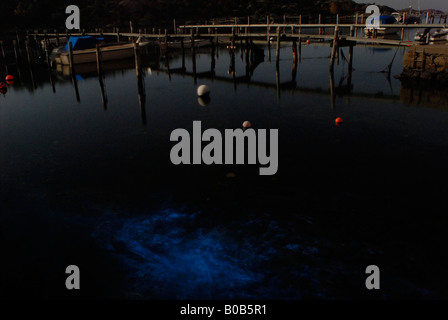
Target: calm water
[{"x": 90, "y": 182}]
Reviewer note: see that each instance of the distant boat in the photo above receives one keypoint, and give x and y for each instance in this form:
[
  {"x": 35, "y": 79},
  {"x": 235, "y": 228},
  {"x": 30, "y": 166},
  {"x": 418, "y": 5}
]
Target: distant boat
[
  {"x": 84, "y": 50},
  {"x": 384, "y": 19},
  {"x": 438, "y": 35}
]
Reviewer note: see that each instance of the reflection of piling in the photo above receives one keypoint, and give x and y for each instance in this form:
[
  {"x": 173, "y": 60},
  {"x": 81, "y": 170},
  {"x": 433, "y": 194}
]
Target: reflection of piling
[
  {"x": 213, "y": 62},
  {"x": 294, "y": 56},
  {"x": 140, "y": 84},
  {"x": 193, "y": 56},
  {"x": 14, "y": 42},
  {"x": 350, "y": 66},
  {"x": 4, "y": 56},
  {"x": 99, "y": 69},
  {"x": 28, "y": 55},
  {"x": 299, "y": 49},
  {"x": 182, "y": 45},
  {"x": 277, "y": 79},
  {"x": 332, "y": 92}
]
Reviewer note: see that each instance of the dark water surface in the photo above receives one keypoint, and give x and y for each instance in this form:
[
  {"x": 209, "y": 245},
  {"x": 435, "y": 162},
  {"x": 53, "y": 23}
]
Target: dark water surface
[{"x": 92, "y": 184}]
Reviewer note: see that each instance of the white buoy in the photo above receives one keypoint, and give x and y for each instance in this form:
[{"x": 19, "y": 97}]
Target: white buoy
[{"x": 203, "y": 90}]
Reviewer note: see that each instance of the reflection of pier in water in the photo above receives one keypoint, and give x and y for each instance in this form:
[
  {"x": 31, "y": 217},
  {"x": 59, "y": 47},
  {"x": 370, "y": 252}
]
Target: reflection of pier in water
[{"x": 252, "y": 60}]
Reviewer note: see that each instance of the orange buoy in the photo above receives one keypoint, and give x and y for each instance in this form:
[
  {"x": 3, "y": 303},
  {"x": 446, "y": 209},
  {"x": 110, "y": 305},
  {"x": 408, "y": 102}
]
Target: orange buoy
[
  {"x": 338, "y": 121},
  {"x": 246, "y": 124}
]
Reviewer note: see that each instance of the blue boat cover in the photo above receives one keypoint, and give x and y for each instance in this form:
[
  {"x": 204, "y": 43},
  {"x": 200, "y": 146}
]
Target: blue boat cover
[
  {"x": 80, "y": 43},
  {"x": 387, "y": 19}
]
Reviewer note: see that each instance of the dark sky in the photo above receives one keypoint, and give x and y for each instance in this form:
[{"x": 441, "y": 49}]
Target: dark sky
[{"x": 400, "y": 4}]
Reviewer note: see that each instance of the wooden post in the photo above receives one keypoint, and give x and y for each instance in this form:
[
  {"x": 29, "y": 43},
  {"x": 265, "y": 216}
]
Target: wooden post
[
  {"x": 337, "y": 18},
  {"x": 268, "y": 29},
  {"x": 174, "y": 26},
  {"x": 357, "y": 16},
  {"x": 334, "y": 48},
  {"x": 277, "y": 49},
  {"x": 300, "y": 23},
  {"x": 182, "y": 45},
  {"x": 137, "y": 60},
  {"x": 427, "y": 17},
  {"x": 131, "y": 27},
  {"x": 193, "y": 56},
  {"x": 57, "y": 38},
  {"x": 70, "y": 56},
  {"x": 72, "y": 70},
  {"x": 118, "y": 35},
  {"x": 99, "y": 68},
  {"x": 192, "y": 40},
  {"x": 352, "y": 30},
  {"x": 47, "y": 53},
  {"x": 320, "y": 21},
  {"x": 299, "y": 51}
]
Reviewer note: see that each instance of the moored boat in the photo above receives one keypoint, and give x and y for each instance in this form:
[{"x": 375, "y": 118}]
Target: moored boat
[
  {"x": 382, "y": 30},
  {"x": 438, "y": 35},
  {"x": 84, "y": 50}
]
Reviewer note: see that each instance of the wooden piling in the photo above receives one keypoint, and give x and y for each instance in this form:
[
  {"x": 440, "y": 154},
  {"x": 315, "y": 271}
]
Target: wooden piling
[
  {"x": 334, "y": 48},
  {"x": 99, "y": 68},
  {"x": 70, "y": 56},
  {"x": 137, "y": 59},
  {"x": 277, "y": 49},
  {"x": 193, "y": 56},
  {"x": 182, "y": 46},
  {"x": 299, "y": 50},
  {"x": 268, "y": 29},
  {"x": 320, "y": 22}
]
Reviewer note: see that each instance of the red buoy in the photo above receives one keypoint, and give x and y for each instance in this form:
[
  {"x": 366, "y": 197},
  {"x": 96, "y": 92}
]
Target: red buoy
[
  {"x": 308, "y": 41},
  {"x": 338, "y": 121},
  {"x": 9, "y": 77},
  {"x": 3, "y": 88}
]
